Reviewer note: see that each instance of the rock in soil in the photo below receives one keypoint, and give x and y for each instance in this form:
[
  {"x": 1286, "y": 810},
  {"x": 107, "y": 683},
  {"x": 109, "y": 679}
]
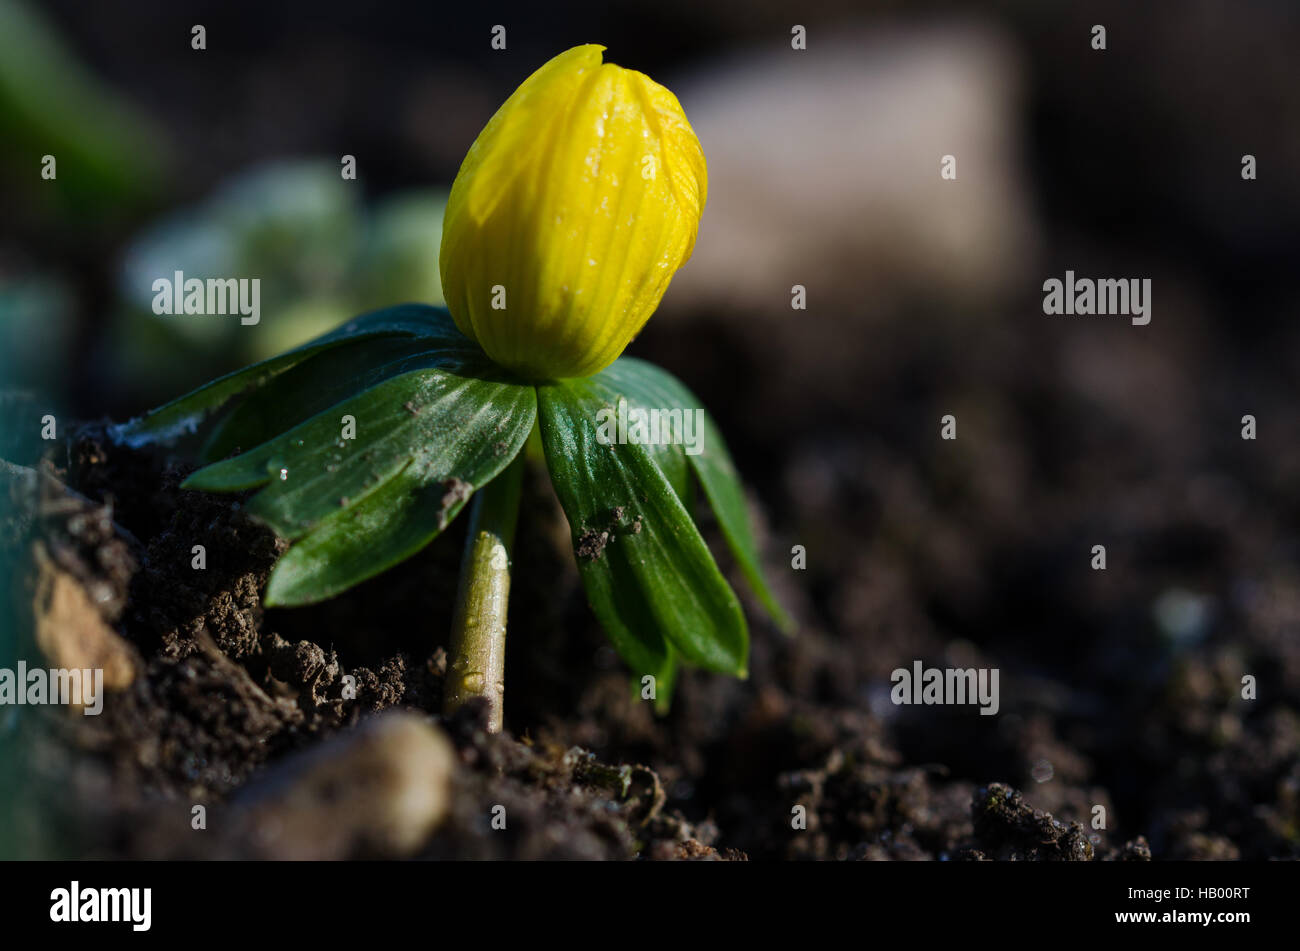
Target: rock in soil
[{"x": 377, "y": 790}]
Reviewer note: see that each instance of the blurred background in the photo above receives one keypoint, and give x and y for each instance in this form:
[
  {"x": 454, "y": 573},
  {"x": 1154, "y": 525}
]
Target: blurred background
[
  {"x": 924, "y": 298},
  {"x": 824, "y": 166}
]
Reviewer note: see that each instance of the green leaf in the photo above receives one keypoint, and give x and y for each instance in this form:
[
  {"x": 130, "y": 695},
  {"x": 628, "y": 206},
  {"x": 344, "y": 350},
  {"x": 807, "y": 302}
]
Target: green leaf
[
  {"x": 646, "y": 385},
  {"x": 323, "y": 381},
  {"x": 183, "y": 415},
  {"x": 433, "y": 418},
  {"x": 386, "y": 527},
  {"x": 433, "y": 461},
  {"x": 672, "y": 463},
  {"x": 648, "y": 574},
  {"x": 666, "y": 682},
  {"x": 364, "y": 452}
]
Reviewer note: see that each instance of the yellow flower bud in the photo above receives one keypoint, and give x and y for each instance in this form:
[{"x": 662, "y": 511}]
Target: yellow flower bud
[{"x": 572, "y": 211}]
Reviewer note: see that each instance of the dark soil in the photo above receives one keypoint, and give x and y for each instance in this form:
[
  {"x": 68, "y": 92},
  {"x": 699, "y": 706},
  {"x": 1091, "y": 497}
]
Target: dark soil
[{"x": 1153, "y": 732}]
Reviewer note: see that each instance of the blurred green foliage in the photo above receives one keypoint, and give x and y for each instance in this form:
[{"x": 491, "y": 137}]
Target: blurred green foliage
[
  {"x": 36, "y": 327},
  {"x": 297, "y": 226},
  {"x": 109, "y": 157}
]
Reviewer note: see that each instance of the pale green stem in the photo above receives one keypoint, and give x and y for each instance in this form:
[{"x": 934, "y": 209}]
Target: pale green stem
[{"x": 478, "y": 631}]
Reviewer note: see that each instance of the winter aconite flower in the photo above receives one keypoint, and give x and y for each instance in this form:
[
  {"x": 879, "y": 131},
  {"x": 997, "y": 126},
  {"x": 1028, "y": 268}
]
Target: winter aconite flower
[{"x": 572, "y": 211}]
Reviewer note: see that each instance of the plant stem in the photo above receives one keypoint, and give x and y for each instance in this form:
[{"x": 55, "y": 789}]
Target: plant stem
[{"x": 478, "y": 632}]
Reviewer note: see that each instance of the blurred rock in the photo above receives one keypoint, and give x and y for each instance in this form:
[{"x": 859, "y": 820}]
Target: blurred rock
[
  {"x": 824, "y": 170},
  {"x": 377, "y": 791}
]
